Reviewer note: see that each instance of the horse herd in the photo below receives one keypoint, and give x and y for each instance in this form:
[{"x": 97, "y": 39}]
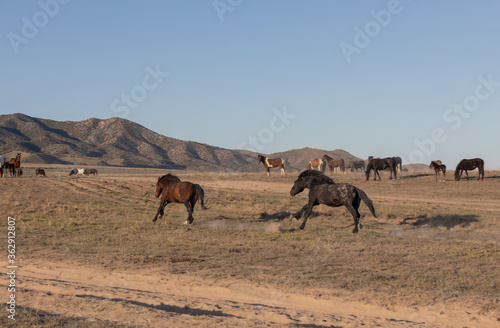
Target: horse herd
[
  {"x": 13, "y": 167},
  {"x": 394, "y": 164},
  {"x": 322, "y": 189}
]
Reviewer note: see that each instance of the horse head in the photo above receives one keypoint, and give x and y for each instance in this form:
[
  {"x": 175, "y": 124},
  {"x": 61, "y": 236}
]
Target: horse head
[{"x": 308, "y": 179}]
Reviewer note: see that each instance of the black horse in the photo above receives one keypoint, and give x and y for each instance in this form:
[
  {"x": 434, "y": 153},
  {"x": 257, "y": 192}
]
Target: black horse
[
  {"x": 438, "y": 166},
  {"x": 380, "y": 164},
  {"x": 322, "y": 190},
  {"x": 467, "y": 165}
]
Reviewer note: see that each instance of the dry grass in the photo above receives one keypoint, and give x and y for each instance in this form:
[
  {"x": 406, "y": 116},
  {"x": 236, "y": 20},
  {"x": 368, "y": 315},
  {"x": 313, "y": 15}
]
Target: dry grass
[{"x": 432, "y": 241}]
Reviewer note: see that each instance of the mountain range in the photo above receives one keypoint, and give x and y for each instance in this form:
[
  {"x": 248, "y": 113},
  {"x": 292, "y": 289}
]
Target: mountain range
[{"x": 120, "y": 142}]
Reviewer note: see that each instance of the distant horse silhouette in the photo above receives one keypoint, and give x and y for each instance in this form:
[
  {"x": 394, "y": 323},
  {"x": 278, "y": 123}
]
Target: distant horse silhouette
[
  {"x": 398, "y": 162},
  {"x": 315, "y": 162},
  {"x": 438, "y": 167},
  {"x": 40, "y": 172},
  {"x": 380, "y": 164},
  {"x": 2, "y": 163},
  {"x": 359, "y": 165},
  {"x": 333, "y": 163},
  {"x": 271, "y": 163},
  {"x": 93, "y": 171},
  {"x": 467, "y": 165},
  {"x": 173, "y": 190},
  {"x": 322, "y": 190},
  {"x": 77, "y": 172}
]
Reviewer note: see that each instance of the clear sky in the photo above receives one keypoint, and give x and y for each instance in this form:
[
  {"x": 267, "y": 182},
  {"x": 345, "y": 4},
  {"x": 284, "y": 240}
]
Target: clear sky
[{"x": 418, "y": 79}]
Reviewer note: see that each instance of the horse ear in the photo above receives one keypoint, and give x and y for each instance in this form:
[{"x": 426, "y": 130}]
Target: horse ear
[{"x": 159, "y": 178}]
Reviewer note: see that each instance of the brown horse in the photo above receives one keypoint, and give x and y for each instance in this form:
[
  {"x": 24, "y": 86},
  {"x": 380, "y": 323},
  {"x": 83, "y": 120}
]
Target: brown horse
[
  {"x": 333, "y": 163},
  {"x": 172, "y": 190},
  {"x": 271, "y": 163},
  {"x": 467, "y": 165},
  {"x": 40, "y": 172},
  {"x": 15, "y": 165},
  {"x": 438, "y": 166},
  {"x": 315, "y": 162}
]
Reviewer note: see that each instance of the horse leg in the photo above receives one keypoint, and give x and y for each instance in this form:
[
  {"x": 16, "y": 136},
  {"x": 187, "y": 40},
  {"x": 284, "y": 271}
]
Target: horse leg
[
  {"x": 467, "y": 175},
  {"x": 309, "y": 208},
  {"x": 268, "y": 173},
  {"x": 353, "y": 209},
  {"x": 159, "y": 213},
  {"x": 189, "y": 208},
  {"x": 298, "y": 215}
]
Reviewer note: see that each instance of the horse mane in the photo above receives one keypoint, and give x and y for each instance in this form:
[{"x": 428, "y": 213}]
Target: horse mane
[
  {"x": 317, "y": 175},
  {"x": 168, "y": 176}
]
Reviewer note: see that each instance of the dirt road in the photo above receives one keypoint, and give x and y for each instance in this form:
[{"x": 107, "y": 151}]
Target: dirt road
[{"x": 152, "y": 298}]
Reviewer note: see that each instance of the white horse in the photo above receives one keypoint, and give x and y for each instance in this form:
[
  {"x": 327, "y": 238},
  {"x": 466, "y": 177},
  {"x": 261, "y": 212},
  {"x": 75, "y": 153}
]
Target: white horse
[{"x": 77, "y": 172}]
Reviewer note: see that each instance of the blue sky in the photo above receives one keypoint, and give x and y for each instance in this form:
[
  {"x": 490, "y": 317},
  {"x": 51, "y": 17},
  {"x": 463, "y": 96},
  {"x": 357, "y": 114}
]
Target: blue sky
[{"x": 418, "y": 79}]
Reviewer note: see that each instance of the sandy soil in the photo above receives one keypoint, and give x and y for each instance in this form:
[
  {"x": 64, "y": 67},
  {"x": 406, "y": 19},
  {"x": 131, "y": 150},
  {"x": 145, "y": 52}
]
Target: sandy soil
[{"x": 143, "y": 297}]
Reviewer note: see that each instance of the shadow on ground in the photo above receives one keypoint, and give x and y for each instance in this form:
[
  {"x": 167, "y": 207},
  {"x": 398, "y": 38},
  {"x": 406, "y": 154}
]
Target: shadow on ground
[{"x": 446, "y": 221}]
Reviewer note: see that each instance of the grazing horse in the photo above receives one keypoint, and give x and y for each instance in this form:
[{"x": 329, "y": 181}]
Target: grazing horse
[
  {"x": 322, "y": 190},
  {"x": 333, "y": 163},
  {"x": 40, "y": 172},
  {"x": 271, "y": 163},
  {"x": 467, "y": 165},
  {"x": 380, "y": 164},
  {"x": 93, "y": 171},
  {"x": 173, "y": 190},
  {"x": 315, "y": 162},
  {"x": 359, "y": 165},
  {"x": 438, "y": 167}
]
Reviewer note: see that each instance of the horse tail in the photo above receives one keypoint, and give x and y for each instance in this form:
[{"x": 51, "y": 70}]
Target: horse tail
[
  {"x": 368, "y": 202},
  {"x": 200, "y": 194}
]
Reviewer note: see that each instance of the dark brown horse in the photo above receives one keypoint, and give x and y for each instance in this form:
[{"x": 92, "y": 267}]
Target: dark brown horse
[
  {"x": 438, "y": 166},
  {"x": 172, "y": 190},
  {"x": 467, "y": 165},
  {"x": 333, "y": 163},
  {"x": 315, "y": 162},
  {"x": 271, "y": 163},
  {"x": 40, "y": 172},
  {"x": 359, "y": 165},
  {"x": 380, "y": 164},
  {"x": 322, "y": 190}
]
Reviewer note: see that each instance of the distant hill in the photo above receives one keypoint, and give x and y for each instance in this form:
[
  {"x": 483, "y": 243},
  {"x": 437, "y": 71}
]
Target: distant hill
[{"x": 120, "y": 142}]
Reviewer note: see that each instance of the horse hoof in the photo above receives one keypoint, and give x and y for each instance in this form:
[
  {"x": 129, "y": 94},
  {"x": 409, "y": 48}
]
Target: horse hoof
[{"x": 360, "y": 226}]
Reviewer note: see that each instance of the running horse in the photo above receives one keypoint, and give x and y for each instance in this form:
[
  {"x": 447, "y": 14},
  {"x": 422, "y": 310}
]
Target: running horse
[
  {"x": 173, "y": 190},
  {"x": 272, "y": 163},
  {"x": 467, "y": 165},
  {"x": 315, "y": 162},
  {"x": 380, "y": 164},
  {"x": 322, "y": 190},
  {"x": 333, "y": 163},
  {"x": 438, "y": 166}
]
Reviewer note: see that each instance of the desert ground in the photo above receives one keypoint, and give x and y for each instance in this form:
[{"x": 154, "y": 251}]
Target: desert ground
[{"x": 89, "y": 255}]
